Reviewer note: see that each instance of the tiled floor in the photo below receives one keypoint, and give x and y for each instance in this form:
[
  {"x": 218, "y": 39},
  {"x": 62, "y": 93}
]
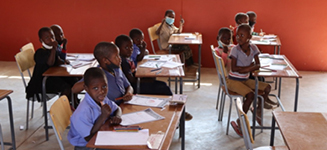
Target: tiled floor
[{"x": 204, "y": 132}]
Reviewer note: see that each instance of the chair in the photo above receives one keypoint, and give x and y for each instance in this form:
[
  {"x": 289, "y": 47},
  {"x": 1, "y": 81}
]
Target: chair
[
  {"x": 222, "y": 74},
  {"x": 220, "y": 84},
  {"x": 59, "y": 115},
  {"x": 25, "y": 61},
  {"x": 1, "y": 140},
  {"x": 153, "y": 36},
  {"x": 245, "y": 126}
]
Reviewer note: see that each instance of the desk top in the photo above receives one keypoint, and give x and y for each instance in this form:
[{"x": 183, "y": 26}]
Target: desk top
[
  {"x": 185, "y": 38},
  {"x": 165, "y": 72},
  {"x": 4, "y": 93},
  {"x": 266, "y": 40},
  {"x": 288, "y": 72},
  {"x": 168, "y": 125},
  {"x": 68, "y": 70},
  {"x": 303, "y": 130}
]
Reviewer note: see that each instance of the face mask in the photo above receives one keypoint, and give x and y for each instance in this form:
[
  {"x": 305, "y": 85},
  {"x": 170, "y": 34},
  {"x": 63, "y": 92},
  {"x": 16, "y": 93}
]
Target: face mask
[
  {"x": 169, "y": 20},
  {"x": 46, "y": 46},
  {"x": 111, "y": 66},
  {"x": 221, "y": 44}
]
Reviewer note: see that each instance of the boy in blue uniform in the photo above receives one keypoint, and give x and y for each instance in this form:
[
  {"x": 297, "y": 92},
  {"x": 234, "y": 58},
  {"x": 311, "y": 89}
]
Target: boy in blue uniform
[
  {"x": 139, "y": 45},
  {"x": 62, "y": 41},
  {"x": 93, "y": 111},
  {"x": 107, "y": 54}
]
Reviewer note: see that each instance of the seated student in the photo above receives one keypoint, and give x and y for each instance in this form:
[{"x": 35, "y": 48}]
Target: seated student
[
  {"x": 252, "y": 20},
  {"x": 224, "y": 46},
  {"x": 242, "y": 56},
  {"x": 166, "y": 29},
  {"x": 107, "y": 55},
  {"x": 240, "y": 18},
  {"x": 93, "y": 111},
  {"x": 44, "y": 58},
  {"x": 148, "y": 86},
  {"x": 139, "y": 45},
  {"x": 62, "y": 41}
]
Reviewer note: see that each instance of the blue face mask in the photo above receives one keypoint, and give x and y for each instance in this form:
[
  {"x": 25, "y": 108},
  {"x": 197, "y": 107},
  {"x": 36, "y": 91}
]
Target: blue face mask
[{"x": 169, "y": 20}]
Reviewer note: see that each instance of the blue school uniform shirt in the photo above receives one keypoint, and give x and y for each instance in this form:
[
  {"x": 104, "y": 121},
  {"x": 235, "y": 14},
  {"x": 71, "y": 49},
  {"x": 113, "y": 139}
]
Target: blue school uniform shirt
[
  {"x": 136, "y": 51},
  {"x": 83, "y": 119}
]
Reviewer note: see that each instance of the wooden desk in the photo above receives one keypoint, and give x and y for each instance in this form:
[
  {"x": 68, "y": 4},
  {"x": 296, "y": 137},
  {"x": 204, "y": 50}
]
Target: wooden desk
[
  {"x": 173, "y": 115},
  {"x": 288, "y": 72},
  {"x": 259, "y": 40},
  {"x": 60, "y": 71},
  {"x": 181, "y": 39},
  {"x": 178, "y": 72},
  {"x": 302, "y": 130},
  {"x": 5, "y": 94}
]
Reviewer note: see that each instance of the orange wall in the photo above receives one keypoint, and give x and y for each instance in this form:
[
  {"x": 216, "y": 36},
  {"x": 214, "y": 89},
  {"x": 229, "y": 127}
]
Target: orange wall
[{"x": 300, "y": 25}]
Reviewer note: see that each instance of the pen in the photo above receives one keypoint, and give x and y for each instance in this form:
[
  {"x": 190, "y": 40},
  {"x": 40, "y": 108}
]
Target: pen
[
  {"x": 155, "y": 69},
  {"x": 119, "y": 98},
  {"x": 157, "y": 65},
  {"x": 158, "y": 72}
]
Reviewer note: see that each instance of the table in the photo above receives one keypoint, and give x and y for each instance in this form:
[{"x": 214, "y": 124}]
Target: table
[
  {"x": 173, "y": 115},
  {"x": 272, "y": 41},
  {"x": 5, "y": 94},
  {"x": 177, "y": 72},
  {"x": 61, "y": 71},
  {"x": 189, "y": 39},
  {"x": 302, "y": 130},
  {"x": 288, "y": 72}
]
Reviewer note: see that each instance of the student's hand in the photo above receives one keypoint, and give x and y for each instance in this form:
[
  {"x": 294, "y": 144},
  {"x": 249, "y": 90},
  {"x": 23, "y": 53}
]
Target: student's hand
[
  {"x": 105, "y": 110},
  {"x": 128, "y": 96},
  {"x": 163, "y": 20},
  {"x": 54, "y": 43},
  {"x": 67, "y": 62},
  {"x": 182, "y": 20},
  {"x": 142, "y": 46},
  {"x": 225, "y": 49},
  {"x": 115, "y": 120},
  {"x": 64, "y": 42}
]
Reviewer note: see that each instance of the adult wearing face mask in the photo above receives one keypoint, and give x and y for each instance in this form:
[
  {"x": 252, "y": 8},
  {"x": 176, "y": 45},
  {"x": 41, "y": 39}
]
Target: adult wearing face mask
[
  {"x": 166, "y": 29},
  {"x": 119, "y": 89}
]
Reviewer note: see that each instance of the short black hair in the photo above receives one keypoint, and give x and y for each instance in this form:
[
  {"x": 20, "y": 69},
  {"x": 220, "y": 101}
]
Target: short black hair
[
  {"x": 239, "y": 16},
  {"x": 120, "y": 39},
  {"x": 104, "y": 49},
  {"x": 93, "y": 73},
  {"x": 169, "y": 11},
  {"x": 244, "y": 27},
  {"x": 223, "y": 30},
  {"x": 251, "y": 13},
  {"x": 135, "y": 32},
  {"x": 43, "y": 30}
]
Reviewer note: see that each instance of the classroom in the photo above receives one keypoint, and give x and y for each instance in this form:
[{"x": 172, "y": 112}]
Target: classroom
[{"x": 86, "y": 23}]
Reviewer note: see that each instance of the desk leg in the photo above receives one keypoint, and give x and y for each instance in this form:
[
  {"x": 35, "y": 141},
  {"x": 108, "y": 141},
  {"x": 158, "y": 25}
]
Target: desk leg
[
  {"x": 279, "y": 50},
  {"x": 255, "y": 106},
  {"x": 138, "y": 90},
  {"x": 176, "y": 88},
  {"x": 296, "y": 94},
  {"x": 182, "y": 129},
  {"x": 279, "y": 86},
  {"x": 180, "y": 85},
  {"x": 272, "y": 134},
  {"x": 45, "y": 108},
  {"x": 11, "y": 120},
  {"x": 199, "y": 68}
]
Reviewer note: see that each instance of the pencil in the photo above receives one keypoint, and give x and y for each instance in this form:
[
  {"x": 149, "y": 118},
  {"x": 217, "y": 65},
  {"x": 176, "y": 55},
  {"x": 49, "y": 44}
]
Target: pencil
[
  {"x": 119, "y": 98},
  {"x": 269, "y": 69}
]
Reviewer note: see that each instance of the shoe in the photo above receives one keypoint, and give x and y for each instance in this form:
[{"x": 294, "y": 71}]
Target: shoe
[
  {"x": 236, "y": 128},
  {"x": 257, "y": 117},
  {"x": 188, "y": 116},
  {"x": 269, "y": 101},
  {"x": 267, "y": 106}
]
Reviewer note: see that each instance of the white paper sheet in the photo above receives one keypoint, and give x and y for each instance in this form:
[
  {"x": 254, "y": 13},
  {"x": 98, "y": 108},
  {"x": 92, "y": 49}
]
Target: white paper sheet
[
  {"x": 183, "y": 34},
  {"x": 153, "y": 64},
  {"x": 82, "y": 57},
  {"x": 122, "y": 138},
  {"x": 140, "y": 117},
  {"x": 171, "y": 64},
  {"x": 148, "y": 101}
]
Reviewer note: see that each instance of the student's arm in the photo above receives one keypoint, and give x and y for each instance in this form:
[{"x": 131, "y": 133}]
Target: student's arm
[
  {"x": 159, "y": 28},
  {"x": 126, "y": 68},
  {"x": 142, "y": 51},
  {"x": 105, "y": 113},
  {"x": 52, "y": 57},
  {"x": 246, "y": 69},
  {"x": 64, "y": 43},
  {"x": 181, "y": 25},
  {"x": 129, "y": 93},
  {"x": 78, "y": 87},
  {"x": 117, "y": 118}
]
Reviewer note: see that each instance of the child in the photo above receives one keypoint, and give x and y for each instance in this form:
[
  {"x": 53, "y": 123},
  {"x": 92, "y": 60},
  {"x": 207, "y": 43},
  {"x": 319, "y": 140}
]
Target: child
[
  {"x": 224, "y": 46},
  {"x": 240, "y": 18},
  {"x": 139, "y": 45},
  {"x": 93, "y": 111},
  {"x": 242, "y": 56},
  {"x": 252, "y": 20},
  {"x": 107, "y": 55},
  {"x": 62, "y": 41},
  {"x": 166, "y": 29},
  {"x": 150, "y": 86},
  {"x": 44, "y": 58}
]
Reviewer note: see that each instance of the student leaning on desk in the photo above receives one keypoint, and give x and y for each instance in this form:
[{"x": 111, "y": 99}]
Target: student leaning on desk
[
  {"x": 107, "y": 54},
  {"x": 93, "y": 111}
]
